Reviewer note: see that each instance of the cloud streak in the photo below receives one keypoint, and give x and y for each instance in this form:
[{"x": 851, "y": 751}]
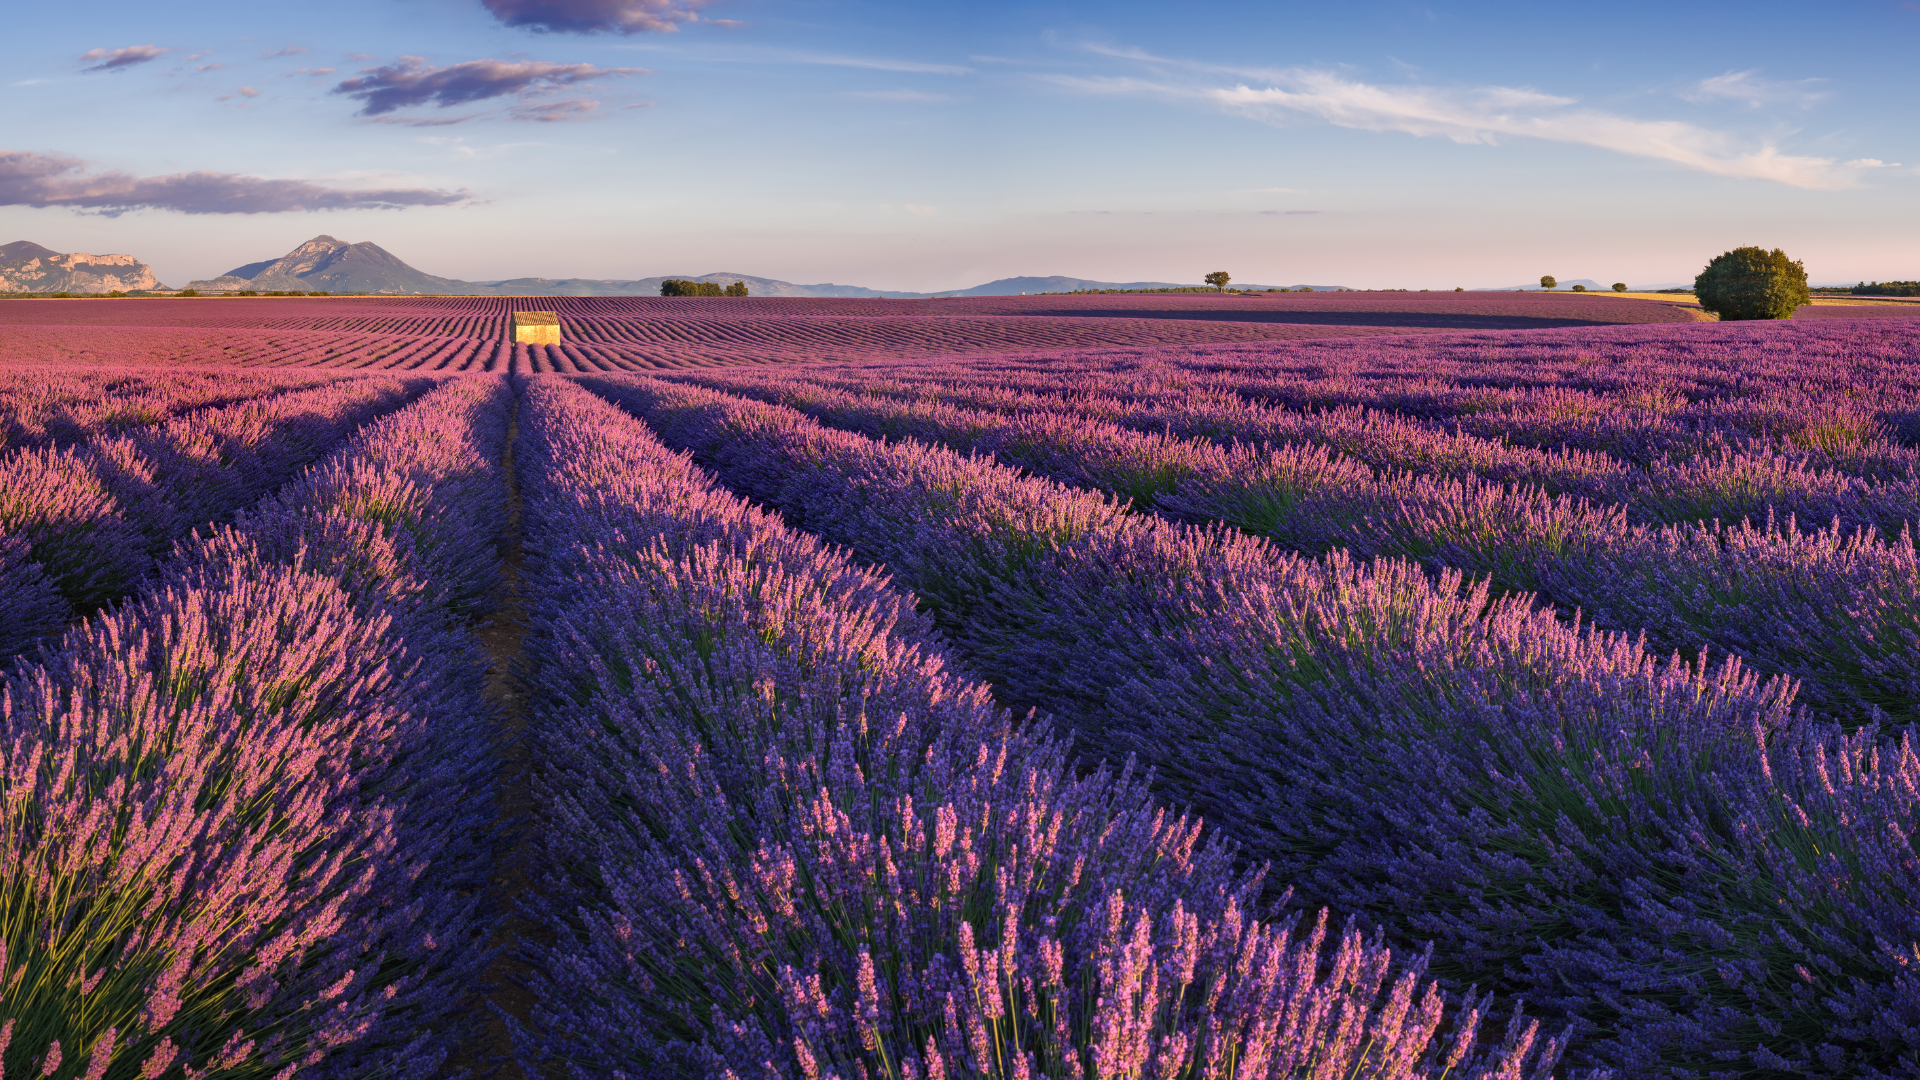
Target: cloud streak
[
  {"x": 550, "y": 112},
  {"x": 412, "y": 81},
  {"x": 115, "y": 59},
  {"x": 881, "y": 64},
  {"x": 56, "y": 180},
  {"x": 1483, "y": 115},
  {"x": 1750, "y": 89},
  {"x": 921, "y": 96},
  {"x": 596, "y": 16}
]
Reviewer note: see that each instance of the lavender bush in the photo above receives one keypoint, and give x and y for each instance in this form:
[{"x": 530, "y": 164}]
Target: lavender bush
[
  {"x": 1601, "y": 831},
  {"x": 786, "y": 840},
  {"x": 249, "y": 810},
  {"x": 95, "y": 515},
  {"x": 1836, "y": 609}
]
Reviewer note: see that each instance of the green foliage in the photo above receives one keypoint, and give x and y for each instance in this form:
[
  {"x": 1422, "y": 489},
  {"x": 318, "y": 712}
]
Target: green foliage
[
  {"x": 1579, "y": 288},
  {"x": 684, "y": 287},
  {"x": 1547, "y": 281},
  {"x": 1459, "y": 288},
  {"x": 1886, "y": 288},
  {"x": 189, "y": 292},
  {"x": 1752, "y": 283},
  {"x": 1218, "y": 279},
  {"x": 246, "y": 292},
  {"x": 1619, "y": 286}
]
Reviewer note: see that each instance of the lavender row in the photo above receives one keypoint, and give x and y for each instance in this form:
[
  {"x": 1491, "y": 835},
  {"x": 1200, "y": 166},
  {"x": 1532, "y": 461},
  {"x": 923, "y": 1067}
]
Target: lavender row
[
  {"x": 248, "y": 809},
  {"x": 1838, "y": 610},
  {"x": 789, "y": 840},
  {"x": 1872, "y": 484},
  {"x": 1747, "y": 380},
  {"x": 59, "y": 408},
  {"x": 1666, "y": 851},
  {"x": 87, "y": 521}
]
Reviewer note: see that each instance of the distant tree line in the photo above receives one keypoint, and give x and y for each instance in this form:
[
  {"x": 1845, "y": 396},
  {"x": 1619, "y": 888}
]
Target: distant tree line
[
  {"x": 683, "y": 287},
  {"x": 1886, "y": 288}
]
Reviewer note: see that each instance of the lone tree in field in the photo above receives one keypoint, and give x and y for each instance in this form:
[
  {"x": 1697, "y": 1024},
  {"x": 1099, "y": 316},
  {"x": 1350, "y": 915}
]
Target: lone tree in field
[
  {"x": 1218, "y": 279},
  {"x": 1619, "y": 286},
  {"x": 1547, "y": 281},
  {"x": 1752, "y": 283}
]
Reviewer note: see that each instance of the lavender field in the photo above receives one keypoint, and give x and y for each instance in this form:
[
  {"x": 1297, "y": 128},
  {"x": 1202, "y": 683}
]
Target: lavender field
[{"x": 1356, "y": 685}]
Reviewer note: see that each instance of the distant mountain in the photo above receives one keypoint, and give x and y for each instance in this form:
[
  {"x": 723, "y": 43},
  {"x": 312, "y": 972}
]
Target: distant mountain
[
  {"x": 759, "y": 286},
  {"x": 1016, "y": 286},
  {"x": 324, "y": 264},
  {"x": 27, "y": 267}
]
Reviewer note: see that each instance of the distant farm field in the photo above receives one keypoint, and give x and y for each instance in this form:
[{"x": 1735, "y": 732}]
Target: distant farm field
[{"x": 1379, "y": 685}]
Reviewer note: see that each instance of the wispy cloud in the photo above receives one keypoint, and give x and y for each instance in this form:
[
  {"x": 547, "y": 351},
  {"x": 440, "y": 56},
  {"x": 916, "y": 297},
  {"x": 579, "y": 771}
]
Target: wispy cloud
[
  {"x": 424, "y": 121},
  {"x": 596, "y": 16},
  {"x": 462, "y": 149},
  {"x": 56, "y": 180},
  {"x": 115, "y": 59},
  {"x": 895, "y": 95},
  {"x": 1482, "y": 114},
  {"x": 1749, "y": 88},
  {"x": 549, "y": 112},
  {"x": 412, "y": 81},
  {"x": 290, "y": 50},
  {"x": 312, "y": 72},
  {"x": 881, "y": 64}
]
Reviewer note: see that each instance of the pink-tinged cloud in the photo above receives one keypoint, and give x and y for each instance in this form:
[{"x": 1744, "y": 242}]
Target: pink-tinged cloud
[
  {"x": 55, "y": 180},
  {"x": 596, "y": 16},
  {"x": 114, "y": 59},
  {"x": 548, "y": 112},
  {"x": 412, "y": 81}
]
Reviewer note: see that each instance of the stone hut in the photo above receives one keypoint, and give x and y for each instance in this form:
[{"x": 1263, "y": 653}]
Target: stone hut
[{"x": 536, "y": 327}]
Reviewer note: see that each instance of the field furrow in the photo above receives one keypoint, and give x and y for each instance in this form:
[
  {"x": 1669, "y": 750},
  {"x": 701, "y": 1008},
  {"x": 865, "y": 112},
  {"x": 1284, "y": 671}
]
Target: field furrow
[
  {"x": 1297, "y": 702},
  {"x": 88, "y": 520},
  {"x": 1837, "y": 609},
  {"x": 701, "y": 712},
  {"x": 286, "y": 730}
]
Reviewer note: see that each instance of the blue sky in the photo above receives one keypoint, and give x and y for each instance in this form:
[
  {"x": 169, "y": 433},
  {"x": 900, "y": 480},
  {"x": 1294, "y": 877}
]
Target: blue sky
[{"x": 930, "y": 147}]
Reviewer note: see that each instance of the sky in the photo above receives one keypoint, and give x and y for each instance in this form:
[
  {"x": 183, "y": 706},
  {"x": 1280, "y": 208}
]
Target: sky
[{"x": 938, "y": 146}]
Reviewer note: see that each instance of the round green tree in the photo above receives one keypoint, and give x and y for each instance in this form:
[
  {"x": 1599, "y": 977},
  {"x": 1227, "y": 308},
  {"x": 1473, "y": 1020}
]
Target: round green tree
[
  {"x": 1619, "y": 286},
  {"x": 1547, "y": 281},
  {"x": 1752, "y": 283},
  {"x": 1218, "y": 279}
]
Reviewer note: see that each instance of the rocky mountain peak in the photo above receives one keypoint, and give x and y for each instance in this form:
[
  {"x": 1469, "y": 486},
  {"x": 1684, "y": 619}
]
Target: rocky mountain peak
[{"x": 27, "y": 267}]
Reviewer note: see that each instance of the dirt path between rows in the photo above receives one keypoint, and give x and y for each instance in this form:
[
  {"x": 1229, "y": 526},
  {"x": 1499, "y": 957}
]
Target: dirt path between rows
[{"x": 502, "y": 640}]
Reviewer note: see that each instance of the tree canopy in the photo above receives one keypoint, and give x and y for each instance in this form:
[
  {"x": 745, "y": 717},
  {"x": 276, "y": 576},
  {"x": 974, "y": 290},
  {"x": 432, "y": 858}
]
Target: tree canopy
[
  {"x": 684, "y": 287},
  {"x": 1752, "y": 283}
]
